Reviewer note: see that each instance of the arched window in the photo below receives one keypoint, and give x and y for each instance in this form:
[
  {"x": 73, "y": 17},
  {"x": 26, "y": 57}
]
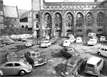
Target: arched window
[
  {"x": 89, "y": 19},
  {"x": 79, "y": 19},
  {"x": 69, "y": 20},
  {"x": 48, "y": 20},
  {"x": 48, "y": 25},
  {"x": 58, "y": 23},
  {"x": 100, "y": 19}
]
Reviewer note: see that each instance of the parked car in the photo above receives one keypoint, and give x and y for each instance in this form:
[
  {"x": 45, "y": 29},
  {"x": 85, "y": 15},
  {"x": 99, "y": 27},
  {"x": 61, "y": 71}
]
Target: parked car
[
  {"x": 72, "y": 38},
  {"x": 102, "y": 38},
  {"x": 38, "y": 58},
  {"x": 15, "y": 68},
  {"x": 73, "y": 64},
  {"x": 102, "y": 50},
  {"x": 92, "y": 41},
  {"x": 45, "y": 43},
  {"x": 66, "y": 43},
  {"x": 72, "y": 51},
  {"x": 79, "y": 40},
  {"x": 6, "y": 41},
  {"x": 29, "y": 43},
  {"x": 94, "y": 65}
]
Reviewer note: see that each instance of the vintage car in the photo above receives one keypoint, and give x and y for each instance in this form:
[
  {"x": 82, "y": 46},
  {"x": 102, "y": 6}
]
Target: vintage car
[
  {"x": 94, "y": 65},
  {"x": 102, "y": 50},
  {"x": 15, "y": 68},
  {"x": 73, "y": 64},
  {"x": 38, "y": 58},
  {"x": 45, "y": 43}
]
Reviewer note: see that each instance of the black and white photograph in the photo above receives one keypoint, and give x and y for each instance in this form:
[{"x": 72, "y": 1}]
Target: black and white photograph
[{"x": 53, "y": 38}]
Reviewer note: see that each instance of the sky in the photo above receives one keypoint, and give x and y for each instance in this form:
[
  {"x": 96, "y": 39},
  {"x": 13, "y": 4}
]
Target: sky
[
  {"x": 22, "y": 4},
  {"x": 26, "y": 4}
]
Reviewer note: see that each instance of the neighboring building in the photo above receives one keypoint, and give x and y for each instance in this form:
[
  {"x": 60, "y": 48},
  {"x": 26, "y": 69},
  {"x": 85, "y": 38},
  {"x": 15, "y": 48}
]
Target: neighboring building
[
  {"x": 59, "y": 19},
  {"x": 25, "y": 18},
  {"x": 11, "y": 17}
]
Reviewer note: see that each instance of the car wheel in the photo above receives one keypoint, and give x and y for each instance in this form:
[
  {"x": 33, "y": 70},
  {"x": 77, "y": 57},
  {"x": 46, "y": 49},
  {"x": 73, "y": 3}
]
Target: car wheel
[
  {"x": 98, "y": 53},
  {"x": 22, "y": 72}
]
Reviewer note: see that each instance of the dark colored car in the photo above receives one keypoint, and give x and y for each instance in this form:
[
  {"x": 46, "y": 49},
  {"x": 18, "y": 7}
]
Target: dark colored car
[{"x": 73, "y": 64}]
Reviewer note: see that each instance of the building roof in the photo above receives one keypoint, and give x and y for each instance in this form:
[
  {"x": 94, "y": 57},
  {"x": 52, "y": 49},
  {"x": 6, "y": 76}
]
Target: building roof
[
  {"x": 93, "y": 60},
  {"x": 23, "y": 13},
  {"x": 70, "y": 1},
  {"x": 10, "y": 11}
]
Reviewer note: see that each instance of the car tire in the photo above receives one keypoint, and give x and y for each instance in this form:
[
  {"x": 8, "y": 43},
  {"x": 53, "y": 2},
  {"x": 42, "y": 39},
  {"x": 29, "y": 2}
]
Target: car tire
[
  {"x": 22, "y": 72},
  {"x": 98, "y": 53}
]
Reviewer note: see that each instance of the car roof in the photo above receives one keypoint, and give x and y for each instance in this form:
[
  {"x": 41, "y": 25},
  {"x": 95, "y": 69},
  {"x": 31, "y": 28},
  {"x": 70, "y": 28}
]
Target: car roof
[
  {"x": 14, "y": 62},
  {"x": 93, "y": 60},
  {"x": 74, "y": 59}
]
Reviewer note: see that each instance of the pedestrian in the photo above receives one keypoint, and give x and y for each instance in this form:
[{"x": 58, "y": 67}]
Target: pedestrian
[{"x": 29, "y": 59}]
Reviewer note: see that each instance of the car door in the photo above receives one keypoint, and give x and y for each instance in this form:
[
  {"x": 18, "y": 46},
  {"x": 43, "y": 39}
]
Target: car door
[
  {"x": 16, "y": 68},
  {"x": 7, "y": 69}
]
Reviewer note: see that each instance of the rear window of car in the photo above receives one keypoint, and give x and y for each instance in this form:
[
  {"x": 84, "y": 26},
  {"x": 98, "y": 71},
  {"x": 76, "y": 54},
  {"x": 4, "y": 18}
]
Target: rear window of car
[
  {"x": 90, "y": 65},
  {"x": 99, "y": 63},
  {"x": 17, "y": 64}
]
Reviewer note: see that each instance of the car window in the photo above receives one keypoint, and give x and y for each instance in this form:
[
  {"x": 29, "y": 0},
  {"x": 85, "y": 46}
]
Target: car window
[
  {"x": 99, "y": 63},
  {"x": 17, "y": 64},
  {"x": 105, "y": 49},
  {"x": 9, "y": 65},
  {"x": 90, "y": 65},
  {"x": 33, "y": 54},
  {"x": 102, "y": 49}
]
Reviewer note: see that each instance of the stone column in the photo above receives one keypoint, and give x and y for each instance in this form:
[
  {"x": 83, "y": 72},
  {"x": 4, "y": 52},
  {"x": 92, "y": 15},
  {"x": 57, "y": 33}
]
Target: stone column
[
  {"x": 63, "y": 25},
  {"x": 74, "y": 24},
  {"x": 53, "y": 25},
  {"x": 41, "y": 24},
  {"x": 95, "y": 22}
]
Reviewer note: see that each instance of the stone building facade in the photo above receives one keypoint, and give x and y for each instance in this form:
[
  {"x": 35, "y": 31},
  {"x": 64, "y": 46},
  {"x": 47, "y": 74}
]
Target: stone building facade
[{"x": 58, "y": 19}]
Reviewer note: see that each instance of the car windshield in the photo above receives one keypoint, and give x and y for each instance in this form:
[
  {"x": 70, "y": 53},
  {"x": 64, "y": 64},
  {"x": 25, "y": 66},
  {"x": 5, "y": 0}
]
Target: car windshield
[
  {"x": 90, "y": 65},
  {"x": 103, "y": 49}
]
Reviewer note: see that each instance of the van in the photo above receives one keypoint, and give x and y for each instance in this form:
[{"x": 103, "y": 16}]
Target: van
[{"x": 94, "y": 65}]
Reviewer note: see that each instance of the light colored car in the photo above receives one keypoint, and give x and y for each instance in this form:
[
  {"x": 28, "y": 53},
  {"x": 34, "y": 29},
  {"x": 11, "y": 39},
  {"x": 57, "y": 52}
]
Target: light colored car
[
  {"x": 71, "y": 38},
  {"x": 102, "y": 38},
  {"x": 15, "y": 68},
  {"x": 92, "y": 41},
  {"x": 79, "y": 40},
  {"x": 94, "y": 65},
  {"x": 102, "y": 51},
  {"x": 29, "y": 43},
  {"x": 45, "y": 43},
  {"x": 66, "y": 43}
]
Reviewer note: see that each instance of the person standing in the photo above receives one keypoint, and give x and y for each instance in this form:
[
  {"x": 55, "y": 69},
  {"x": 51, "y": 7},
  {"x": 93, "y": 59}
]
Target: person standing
[{"x": 28, "y": 58}]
